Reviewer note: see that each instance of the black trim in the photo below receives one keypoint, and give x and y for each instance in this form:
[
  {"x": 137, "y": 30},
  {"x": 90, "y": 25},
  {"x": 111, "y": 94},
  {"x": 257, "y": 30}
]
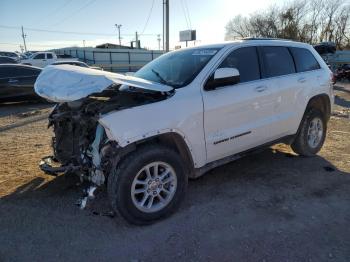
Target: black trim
[{"x": 232, "y": 137}]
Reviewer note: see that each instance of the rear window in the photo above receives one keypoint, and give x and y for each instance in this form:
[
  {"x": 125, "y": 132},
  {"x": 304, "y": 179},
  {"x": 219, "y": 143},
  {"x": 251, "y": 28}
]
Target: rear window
[
  {"x": 49, "y": 56},
  {"x": 277, "y": 61},
  {"x": 304, "y": 59},
  {"x": 39, "y": 56}
]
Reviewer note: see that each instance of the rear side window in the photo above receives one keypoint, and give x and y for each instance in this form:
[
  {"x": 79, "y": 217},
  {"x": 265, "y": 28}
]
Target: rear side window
[
  {"x": 49, "y": 56},
  {"x": 276, "y": 61},
  {"x": 39, "y": 56},
  {"x": 6, "y": 72},
  {"x": 18, "y": 72},
  {"x": 27, "y": 72},
  {"x": 304, "y": 59},
  {"x": 246, "y": 61}
]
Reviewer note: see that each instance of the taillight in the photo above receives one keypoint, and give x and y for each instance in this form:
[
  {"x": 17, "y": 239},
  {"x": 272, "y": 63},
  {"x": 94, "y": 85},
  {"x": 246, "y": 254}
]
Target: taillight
[{"x": 333, "y": 78}]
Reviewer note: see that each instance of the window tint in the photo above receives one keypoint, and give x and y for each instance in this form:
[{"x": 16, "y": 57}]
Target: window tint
[
  {"x": 246, "y": 61},
  {"x": 6, "y": 72},
  {"x": 39, "y": 56},
  {"x": 15, "y": 71},
  {"x": 49, "y": 56},
  {"x": 5, "y": 60},
  {"x": 27, "y": 72},
  {"x": 277, "y": 61},
  {"x": 304, "y": 59}
]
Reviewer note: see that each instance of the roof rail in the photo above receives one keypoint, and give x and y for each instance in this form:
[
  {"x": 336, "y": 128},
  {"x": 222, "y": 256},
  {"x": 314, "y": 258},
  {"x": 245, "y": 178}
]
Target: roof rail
[{"x": 265, "y": 38}]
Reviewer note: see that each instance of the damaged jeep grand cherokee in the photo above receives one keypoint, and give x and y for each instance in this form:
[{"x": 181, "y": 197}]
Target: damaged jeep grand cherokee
[{"x": 181, "y": 115}]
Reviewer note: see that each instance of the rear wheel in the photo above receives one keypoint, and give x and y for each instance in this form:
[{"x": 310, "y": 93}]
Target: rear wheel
[
  {"x": 147, "y": 185},
  {"x": 312, "y": 133}
]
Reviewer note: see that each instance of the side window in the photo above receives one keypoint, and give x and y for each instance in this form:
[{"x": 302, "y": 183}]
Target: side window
[
  {"x": 28, "y": 72},
  {"x": 245, "y": 59},
  {"x": 6, "y": 72},
  {"x": 304, "y": 59},
  {"x": 39, "y": 56},
  {"x": 49, "y": 56},
  {"x": 277, "y": 61}
]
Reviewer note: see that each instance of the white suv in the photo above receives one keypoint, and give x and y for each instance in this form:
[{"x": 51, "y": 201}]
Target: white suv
[{"x": 181, "y": 115}]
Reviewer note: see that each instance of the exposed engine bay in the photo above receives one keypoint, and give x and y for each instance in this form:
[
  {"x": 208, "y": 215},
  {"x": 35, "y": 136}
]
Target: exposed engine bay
[{"x": 80, "y": 145}]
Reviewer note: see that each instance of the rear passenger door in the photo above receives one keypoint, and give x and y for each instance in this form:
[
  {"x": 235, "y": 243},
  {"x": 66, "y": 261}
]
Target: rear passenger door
[
  {"x": 49, "y": 59},
  {"x": 39, "y": 60},
  {"x": 278, "y": 68}
]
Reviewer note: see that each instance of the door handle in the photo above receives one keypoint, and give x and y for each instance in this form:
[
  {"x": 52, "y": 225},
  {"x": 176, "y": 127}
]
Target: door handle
[
  {"x": 12, "y": 81},
  {"x": 260, "y": 88},
  {"x": 302, "y": 80},
  {"x": 44, "y": 59}
]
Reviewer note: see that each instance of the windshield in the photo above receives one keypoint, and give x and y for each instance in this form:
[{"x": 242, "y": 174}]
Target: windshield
[{"x": 177, "y": 69}]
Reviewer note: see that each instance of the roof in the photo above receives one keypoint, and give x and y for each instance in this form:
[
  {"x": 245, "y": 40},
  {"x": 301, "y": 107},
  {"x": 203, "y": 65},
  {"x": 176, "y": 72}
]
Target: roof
[{"x": 274, "y": 41}]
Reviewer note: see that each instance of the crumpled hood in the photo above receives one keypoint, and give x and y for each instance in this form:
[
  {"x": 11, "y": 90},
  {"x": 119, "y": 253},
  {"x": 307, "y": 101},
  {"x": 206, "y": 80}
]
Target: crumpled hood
[{"x": 65, "y": 83}]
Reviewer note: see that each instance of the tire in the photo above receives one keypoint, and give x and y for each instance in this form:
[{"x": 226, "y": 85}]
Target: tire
[
  {"x": 122, "y": 184},
  {"x": 303, "y": 144}
]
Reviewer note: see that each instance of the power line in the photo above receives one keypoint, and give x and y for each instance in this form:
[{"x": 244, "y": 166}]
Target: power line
[
  {"x": 148, "y": 17},
  {"x": 75, "y": 12},
  {"x": 184, "y": 11},
  {"x": 65, "y": 32},
  {"x": 188, "y": 13},
  {"x": 55, "y": 11}
]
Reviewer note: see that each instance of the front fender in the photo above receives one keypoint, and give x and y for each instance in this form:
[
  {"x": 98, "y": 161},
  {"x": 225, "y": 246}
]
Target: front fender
[{"x": 179, "y": 114}]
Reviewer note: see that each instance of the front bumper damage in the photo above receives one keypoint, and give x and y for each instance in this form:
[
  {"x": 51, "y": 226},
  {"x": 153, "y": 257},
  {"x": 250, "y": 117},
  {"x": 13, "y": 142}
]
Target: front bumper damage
[
  {"x": 80, "y": 143},
  {"x": 97, "y": 161}
]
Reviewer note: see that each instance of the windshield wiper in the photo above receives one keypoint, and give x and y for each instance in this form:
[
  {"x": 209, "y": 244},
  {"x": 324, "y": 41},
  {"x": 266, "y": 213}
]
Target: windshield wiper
[{"x": 162, "y": 80}]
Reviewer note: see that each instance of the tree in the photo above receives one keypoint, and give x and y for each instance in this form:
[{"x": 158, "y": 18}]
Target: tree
[{"x": 309, "y": 21}]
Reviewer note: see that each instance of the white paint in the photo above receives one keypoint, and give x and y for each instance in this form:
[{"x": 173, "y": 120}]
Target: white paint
[{"x": 204, "y": 117}]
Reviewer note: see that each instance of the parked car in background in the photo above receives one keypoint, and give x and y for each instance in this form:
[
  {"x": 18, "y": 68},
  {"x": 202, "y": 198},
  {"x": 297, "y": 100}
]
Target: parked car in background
[
  {"x": 343, "y": 73},
  {"x": 76, "y": 63},
  {"x": 325, "y": 48},
  {"x": 7, "y": 60},
  {"x": 17, "y": 81},
  {"x": 10, "y": 54},
  {"x": 64, "y": 56},
  {"x": 42, "y": 59}
]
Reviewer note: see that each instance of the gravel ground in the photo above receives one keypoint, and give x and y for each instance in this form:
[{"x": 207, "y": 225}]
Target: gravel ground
[{"x": 271, "y": 206}]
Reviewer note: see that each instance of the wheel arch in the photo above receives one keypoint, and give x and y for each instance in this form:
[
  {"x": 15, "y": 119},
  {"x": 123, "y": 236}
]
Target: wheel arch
[
  {"x": 172, "y": 140},
  {"x": 321, "y": 102}
]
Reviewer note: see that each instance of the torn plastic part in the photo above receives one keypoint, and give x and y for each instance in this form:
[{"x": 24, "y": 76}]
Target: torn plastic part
[
  {"x": 96, "y": 175},
  {"x": 65, "y": 83},
  {"x": 89, "y": 194},
  {"x": 46, "y": 165}
]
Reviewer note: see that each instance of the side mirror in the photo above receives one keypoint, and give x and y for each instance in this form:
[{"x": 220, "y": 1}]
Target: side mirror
[{"x": 223, "y": 77}]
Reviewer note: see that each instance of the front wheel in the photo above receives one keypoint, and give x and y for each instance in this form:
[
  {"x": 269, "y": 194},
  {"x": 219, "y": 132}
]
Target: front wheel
[
  {"x": 311, "y": 134},
  {"x": 147, "y": 185}
]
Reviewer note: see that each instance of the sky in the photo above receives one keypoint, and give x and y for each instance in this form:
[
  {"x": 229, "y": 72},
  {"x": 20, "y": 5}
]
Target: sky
[{"x": 94, "y": 21}]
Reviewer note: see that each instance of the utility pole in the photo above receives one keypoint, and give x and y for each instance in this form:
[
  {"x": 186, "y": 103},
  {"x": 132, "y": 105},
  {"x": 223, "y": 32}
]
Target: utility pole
[
  {"x": 24, "y": 40},
  {"x": 158, "y": 41},
  {"x": 84, "y": 43},
  {"x": 166, "y": 25},
  {"x": 118, "y": 27},
  {"x": 137, "y": 40}
]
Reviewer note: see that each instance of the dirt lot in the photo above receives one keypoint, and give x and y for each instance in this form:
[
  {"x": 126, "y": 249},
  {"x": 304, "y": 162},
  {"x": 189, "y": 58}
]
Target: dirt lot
[{"x": 272, "y": 206}]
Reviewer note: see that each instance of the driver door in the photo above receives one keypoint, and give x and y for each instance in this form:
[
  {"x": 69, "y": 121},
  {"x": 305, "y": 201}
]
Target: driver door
[{"x": 236, "y": 116}]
